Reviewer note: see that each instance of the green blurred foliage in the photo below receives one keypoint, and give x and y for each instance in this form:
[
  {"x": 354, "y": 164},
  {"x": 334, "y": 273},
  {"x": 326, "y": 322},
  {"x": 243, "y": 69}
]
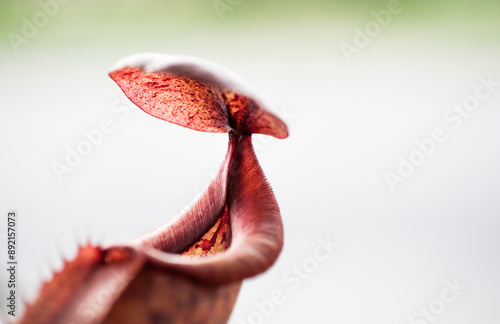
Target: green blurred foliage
[
  {"x": 85, "y": 17},
  {"x": 244, "y": 11}
]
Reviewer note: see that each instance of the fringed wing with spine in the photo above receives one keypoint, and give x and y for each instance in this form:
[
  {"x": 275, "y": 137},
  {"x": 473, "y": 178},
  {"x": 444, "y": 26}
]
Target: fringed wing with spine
[{"x": 190, "y": 269}]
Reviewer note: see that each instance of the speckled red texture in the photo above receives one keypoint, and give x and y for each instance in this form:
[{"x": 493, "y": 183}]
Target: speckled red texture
[
  {"x": 216, "y": 240},
  {"x": 196, "y": 104},
  {"x": 248, "y": 117},
  {"x": 175, "y": 98}
]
